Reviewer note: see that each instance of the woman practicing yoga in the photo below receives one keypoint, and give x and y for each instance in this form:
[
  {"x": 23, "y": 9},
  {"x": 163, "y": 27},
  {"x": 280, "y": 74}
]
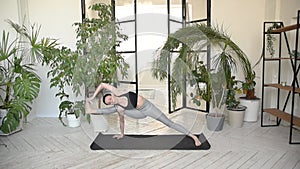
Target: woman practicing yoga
[{"x": 133, "y": 106}]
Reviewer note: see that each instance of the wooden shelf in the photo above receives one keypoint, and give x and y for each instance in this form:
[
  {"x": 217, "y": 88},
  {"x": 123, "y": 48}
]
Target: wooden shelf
[
  {"x": 286, "y": 28},
  {"x": 283, "y": 115},
  {"x": 279, "y": 86},
  {"x": 284, "y": 58}
]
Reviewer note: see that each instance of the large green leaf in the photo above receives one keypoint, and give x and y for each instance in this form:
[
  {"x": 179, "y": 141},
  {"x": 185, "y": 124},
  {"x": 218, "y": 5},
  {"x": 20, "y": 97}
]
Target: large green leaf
[
  {"x": 27, "y": 86},
  {"x": 19, "y": 109},
  {"x": 10, "y": 122},
  {"x": 7, "y": 49}
]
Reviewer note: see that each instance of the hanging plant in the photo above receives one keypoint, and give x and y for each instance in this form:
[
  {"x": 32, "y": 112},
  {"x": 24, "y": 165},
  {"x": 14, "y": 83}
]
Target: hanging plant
[{"x": 271, "y": 39}]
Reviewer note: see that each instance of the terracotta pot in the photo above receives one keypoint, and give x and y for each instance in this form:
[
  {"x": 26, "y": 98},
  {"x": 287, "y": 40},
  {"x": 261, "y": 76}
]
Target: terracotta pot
[{"x": 250, "y": 94}]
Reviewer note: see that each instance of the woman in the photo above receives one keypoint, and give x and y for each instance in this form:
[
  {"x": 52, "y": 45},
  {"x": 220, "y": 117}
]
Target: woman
[{"x": 134, "y": 106}]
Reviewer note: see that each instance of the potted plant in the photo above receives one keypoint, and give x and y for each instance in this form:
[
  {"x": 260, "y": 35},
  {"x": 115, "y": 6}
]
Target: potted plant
[
  {"x": 271, "y": 38},
  {"x": 236, "y": 112},
  {"x": 190, "y": 42},
  {"x": 95, "y": 60},
  {"x": 249, "y": 85},
  {"x": 214, "y": 92},
  {"x": 19, "y": 83},
  {"x": 72, "y": 111},
  {"x": 250, "y": 100},
  {"x": 61, "y": 63}
]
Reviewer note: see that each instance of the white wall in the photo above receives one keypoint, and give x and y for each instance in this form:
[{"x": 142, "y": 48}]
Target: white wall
[
  {"x": 8, "y": 10},
  {"x": 56, "y": 18},
  {"x": 242, "y": 19}
]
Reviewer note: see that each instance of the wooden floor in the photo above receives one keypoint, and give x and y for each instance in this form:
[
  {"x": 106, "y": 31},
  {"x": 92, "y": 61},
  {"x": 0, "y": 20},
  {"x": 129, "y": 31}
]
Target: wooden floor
[{"x": 45, "y": 143}]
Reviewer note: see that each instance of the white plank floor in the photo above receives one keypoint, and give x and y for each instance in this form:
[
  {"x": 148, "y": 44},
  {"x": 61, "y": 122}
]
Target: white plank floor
[{"x": 45, "y": 143}]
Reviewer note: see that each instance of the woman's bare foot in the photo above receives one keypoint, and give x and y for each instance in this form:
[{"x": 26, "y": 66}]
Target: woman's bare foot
[{"x": 196, "y": 140}]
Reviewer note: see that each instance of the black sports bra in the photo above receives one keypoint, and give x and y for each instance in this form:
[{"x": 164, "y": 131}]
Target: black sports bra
[{"x": 132, "y": 100}]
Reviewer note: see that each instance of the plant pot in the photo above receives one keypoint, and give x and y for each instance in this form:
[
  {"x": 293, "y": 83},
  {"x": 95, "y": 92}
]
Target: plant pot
[
  {"x": 3, "y": 113},
  {"x": 252, "y": 111},
  {"x": 73, "y": 121},
  {"x": 250, "y": 94},
  {"x": 215, "y": 121},
  {"x": 236, "y": 116}
]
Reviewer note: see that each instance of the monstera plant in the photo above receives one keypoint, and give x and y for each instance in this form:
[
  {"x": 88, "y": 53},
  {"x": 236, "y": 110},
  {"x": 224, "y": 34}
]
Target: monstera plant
[{"x": 19, "y": 83}]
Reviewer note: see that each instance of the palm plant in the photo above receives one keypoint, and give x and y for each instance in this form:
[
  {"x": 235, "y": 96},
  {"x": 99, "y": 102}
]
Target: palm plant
[
  {"x": 191, "y": 45},
  {"x": 19, "y": 83}
]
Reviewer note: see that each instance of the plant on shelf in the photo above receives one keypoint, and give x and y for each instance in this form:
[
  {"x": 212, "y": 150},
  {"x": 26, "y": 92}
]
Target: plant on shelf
[
  {"x": 294, "y": 54},
  {"x": 95, "y": 59},
  {"x": 271, "y": 39},
  {"x": 19, "y": 83}
]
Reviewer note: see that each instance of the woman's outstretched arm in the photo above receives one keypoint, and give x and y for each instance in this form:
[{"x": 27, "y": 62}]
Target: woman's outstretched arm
[
  {"x": 106, "y": 110},
  {"x": 106, "y": 86}
]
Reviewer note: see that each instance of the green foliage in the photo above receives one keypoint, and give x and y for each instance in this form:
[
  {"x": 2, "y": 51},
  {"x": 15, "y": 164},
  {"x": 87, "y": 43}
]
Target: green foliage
[
  {"x": 189, "y": 46},
  {"x": 95, "y": 59},
  {"x": 68, "y": 107},
  {"x": 201, "y": 77},
  {"x": 19, "y": 81},
  {"x": 231, "y": 100},
  {"x": 97, "y": 39},
  {"x": 249, "y": 83},
  {"x": 271, "y": 39}
]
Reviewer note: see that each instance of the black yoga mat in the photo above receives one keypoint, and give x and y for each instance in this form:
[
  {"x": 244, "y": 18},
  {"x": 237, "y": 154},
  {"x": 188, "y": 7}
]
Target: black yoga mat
[{"x": 148, "y": 142}]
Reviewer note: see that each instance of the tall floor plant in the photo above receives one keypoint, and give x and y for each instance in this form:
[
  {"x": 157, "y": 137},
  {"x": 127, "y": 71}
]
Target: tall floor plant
[
  {"x": 95, "y": 60},
  {"x": 191, "y": 44},
  {"x": 19, "y": 83}
]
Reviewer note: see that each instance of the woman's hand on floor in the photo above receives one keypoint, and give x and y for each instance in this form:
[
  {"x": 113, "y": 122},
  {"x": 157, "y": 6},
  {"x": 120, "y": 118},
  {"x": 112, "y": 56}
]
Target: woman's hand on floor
[{"x": 118, "y": 136}]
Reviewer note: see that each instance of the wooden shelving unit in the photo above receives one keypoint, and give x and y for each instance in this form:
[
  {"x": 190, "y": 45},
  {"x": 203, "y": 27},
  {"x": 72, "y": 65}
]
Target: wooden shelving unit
[
  {"x": 285, "y": 29},
  {"x": 292, "y": 89},
  {"x": 283, "y": 115},
  {"x": 279, "y": 86},
  {"x": 285, "y": 58}
]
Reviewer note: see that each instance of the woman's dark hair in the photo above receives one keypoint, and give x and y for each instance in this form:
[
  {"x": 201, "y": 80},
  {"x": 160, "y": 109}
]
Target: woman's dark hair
[{"x": 103, "y": 99}]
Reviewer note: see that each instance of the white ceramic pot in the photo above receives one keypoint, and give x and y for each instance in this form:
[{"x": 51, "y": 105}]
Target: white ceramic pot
[
  {"x": 236, "y": 117},
  {"x": 73, "y": 121},
  {"x": 252, "y": 111}
]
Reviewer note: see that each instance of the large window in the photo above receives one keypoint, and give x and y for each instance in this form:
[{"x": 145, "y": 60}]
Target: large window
[{"x": 148, "y": 24}]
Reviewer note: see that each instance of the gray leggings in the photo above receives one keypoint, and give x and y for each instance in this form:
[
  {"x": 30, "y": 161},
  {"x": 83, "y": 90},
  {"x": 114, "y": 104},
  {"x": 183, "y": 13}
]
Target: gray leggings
[{"x": 147, "y": 109}]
